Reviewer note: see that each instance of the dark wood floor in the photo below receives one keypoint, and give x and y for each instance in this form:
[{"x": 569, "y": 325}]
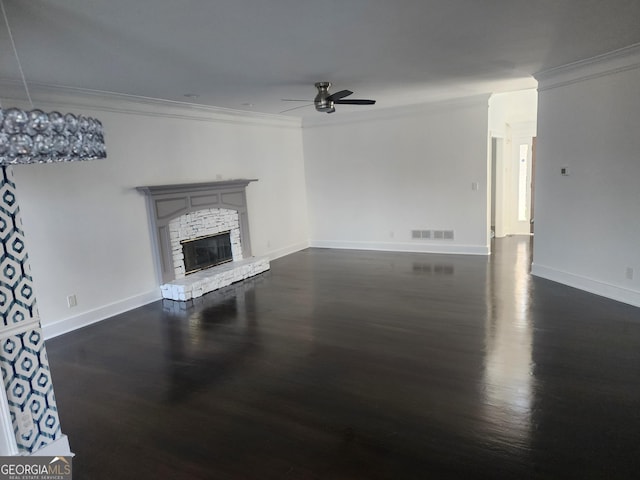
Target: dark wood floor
[{"x": 360, "y": 365}]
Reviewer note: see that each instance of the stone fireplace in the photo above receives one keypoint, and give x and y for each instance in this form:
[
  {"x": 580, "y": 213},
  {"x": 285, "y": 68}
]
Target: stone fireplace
[
  {"x": 200, "y": 223},
  {"x": 198, "y": 226}
]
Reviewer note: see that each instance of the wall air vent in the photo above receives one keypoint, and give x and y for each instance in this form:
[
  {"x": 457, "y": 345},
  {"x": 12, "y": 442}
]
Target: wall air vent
[
  {"x": 421, "y": 234},
  {"x": 432, "y": 234}
]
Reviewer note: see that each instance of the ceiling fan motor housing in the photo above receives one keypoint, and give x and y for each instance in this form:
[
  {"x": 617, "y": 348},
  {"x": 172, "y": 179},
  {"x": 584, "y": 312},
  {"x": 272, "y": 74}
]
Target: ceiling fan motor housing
[{"x": 322, "y": 103}]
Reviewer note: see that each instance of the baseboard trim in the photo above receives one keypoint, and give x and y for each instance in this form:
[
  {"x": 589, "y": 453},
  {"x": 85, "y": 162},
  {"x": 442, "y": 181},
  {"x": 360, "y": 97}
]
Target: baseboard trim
[
  {"x": 597, "y": 287},
  {"x": 92, "y": 316},
  {"x": 283, "y": 252},
  {"x": 404, "y": 247}
]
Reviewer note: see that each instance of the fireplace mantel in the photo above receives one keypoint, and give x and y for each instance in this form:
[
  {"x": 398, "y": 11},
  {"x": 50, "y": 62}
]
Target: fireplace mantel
[
  {"x": 196, "y": 187},
  {"x": 166, "y": 202}
]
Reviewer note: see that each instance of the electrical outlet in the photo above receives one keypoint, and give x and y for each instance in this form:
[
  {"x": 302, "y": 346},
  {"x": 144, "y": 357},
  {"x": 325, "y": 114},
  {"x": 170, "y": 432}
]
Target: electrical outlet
[
  {"x": 72, "y": 301},
  {"x": 25, "y": 423},
  {"x": 629, "y": 273}
]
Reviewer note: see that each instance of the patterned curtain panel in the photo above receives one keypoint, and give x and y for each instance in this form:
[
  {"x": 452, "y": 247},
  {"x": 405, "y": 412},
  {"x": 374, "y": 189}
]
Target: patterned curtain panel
[{"x": 23, "y": 357}]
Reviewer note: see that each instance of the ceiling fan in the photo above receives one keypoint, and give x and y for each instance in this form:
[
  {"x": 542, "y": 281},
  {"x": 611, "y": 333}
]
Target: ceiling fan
[{"x": 325, "y": 102}]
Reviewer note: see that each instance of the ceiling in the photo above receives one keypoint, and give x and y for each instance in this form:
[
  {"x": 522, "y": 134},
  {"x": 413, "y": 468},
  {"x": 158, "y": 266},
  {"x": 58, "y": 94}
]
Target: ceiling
[{"x": 250, "y": 54}]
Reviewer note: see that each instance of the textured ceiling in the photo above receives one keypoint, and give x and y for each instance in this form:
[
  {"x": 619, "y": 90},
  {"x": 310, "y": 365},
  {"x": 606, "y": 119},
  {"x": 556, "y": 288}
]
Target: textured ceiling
[{"x": 237, "y": 52}]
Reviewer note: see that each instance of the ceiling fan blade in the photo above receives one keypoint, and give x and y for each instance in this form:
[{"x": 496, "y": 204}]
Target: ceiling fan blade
[
  {"x": 296, "y": 108},
  {"x": 338, "y": 95},
  {"x": 355, "y": 102}
]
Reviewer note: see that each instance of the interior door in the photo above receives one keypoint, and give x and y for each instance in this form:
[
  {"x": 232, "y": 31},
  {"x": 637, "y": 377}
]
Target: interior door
[
  {"x": 533, "y": 181},
  {"x": 520, "y": 186}
]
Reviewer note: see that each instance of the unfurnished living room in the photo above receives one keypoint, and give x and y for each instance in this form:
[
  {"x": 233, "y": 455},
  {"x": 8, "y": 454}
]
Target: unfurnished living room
[{"x": 320, "y": 240}]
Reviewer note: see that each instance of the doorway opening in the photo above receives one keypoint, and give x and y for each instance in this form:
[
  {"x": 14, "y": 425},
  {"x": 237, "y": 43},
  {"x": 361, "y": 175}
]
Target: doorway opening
[{"x": 512, "y": 121}]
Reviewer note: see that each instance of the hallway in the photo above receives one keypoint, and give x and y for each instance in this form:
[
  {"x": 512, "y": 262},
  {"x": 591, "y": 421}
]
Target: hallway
[{"x": 360, "y": 365}]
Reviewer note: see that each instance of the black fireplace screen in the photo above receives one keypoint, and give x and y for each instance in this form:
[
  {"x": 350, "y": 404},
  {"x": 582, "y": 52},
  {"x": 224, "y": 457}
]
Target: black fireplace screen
[{"x": 206, "y": 252}]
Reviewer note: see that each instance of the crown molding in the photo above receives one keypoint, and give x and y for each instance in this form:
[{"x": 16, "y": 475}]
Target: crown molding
[
  {"x": 621, "y": 60},
  {"x": 55, "y": 96},
  {"x": 401, "y": 111}
]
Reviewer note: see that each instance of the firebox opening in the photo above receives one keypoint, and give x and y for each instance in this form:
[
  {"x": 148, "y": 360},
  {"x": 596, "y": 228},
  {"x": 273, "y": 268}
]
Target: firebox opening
[{"x": 206, "y": 252}]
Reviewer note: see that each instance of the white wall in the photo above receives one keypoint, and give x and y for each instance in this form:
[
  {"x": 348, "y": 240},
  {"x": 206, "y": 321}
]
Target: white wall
[
  {"x": 372, "y": 178},
  {"x": 588, "y": 223},
  {"x": 86, "y": 226}
]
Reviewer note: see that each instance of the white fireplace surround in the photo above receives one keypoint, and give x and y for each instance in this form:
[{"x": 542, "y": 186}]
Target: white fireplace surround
[
  {"x": 190, "y": 211},
  {"x": 203, "y": 223}
]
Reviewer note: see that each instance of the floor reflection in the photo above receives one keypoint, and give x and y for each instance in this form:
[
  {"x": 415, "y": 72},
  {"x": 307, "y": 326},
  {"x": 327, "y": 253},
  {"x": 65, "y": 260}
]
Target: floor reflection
[
  {"x": 209, "y": 338},
  {"x": 428, "y": 268},
  {"x": 508, "y": 380}
]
